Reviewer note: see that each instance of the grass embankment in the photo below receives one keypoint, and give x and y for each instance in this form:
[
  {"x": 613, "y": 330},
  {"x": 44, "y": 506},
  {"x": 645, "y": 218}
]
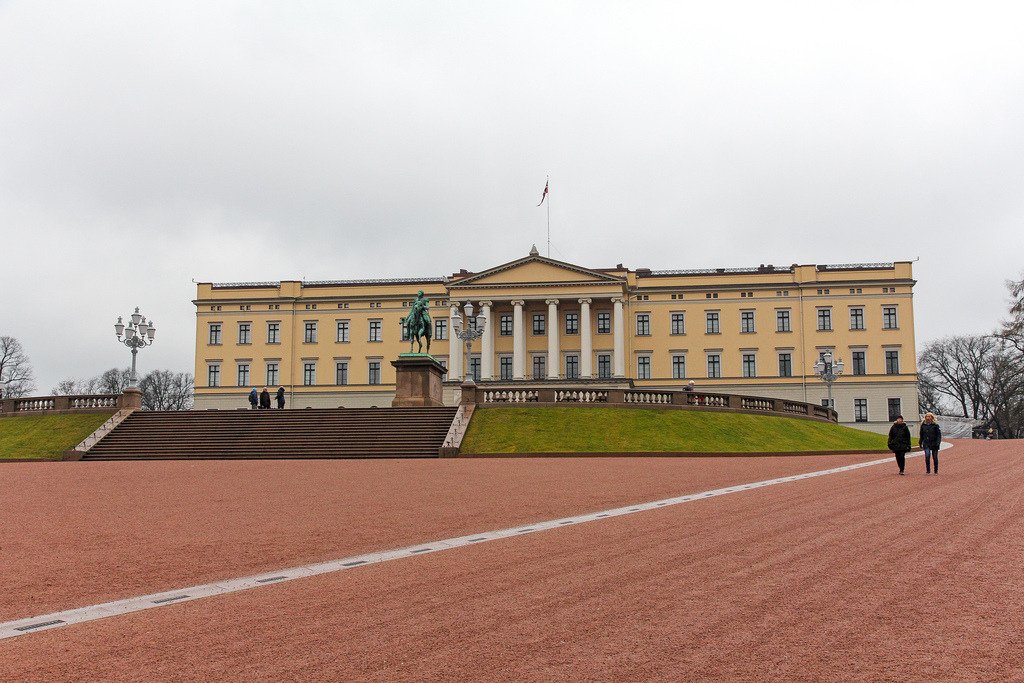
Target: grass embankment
[
  {"x": 45, "y": 437},
  {"x": 630, "y": 430}
]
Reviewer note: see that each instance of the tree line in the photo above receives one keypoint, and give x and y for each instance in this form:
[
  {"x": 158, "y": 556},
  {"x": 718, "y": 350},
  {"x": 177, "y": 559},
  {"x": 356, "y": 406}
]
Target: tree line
[
  {"x": 161, "y": 389},
  {"x": 981, "y": 376}
]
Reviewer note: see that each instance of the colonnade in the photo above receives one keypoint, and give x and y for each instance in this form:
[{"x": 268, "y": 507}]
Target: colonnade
[{"x": 553, "y": 329}]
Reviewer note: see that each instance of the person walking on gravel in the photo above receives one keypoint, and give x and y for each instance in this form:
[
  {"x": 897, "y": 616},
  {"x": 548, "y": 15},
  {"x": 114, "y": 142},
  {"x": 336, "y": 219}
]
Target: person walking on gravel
[
  {"x": 931, "y": 437},
  {"x": 899, "y": 441}
]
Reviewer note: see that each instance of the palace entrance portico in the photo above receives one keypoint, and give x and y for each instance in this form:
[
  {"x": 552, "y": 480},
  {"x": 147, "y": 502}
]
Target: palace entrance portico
[{"x": 545, "y": 320}]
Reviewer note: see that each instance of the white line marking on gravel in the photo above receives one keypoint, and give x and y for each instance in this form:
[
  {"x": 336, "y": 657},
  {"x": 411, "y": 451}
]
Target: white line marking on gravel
[{"x": 46, "y": 622}]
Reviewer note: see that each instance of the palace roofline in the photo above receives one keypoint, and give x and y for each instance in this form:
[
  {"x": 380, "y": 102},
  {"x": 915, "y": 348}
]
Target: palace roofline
[{"x": 641, "y": 272}]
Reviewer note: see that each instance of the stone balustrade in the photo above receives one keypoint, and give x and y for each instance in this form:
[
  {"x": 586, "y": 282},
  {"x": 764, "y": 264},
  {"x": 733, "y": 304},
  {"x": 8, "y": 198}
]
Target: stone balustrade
[
  {"x": 485, "y": 396},
  {"x": 94, "y": 403}
]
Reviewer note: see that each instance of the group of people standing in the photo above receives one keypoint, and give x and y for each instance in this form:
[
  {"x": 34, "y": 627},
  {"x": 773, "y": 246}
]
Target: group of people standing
[
  {"x": 259, "y": 400},
  {"x": 930, "y": 437}
]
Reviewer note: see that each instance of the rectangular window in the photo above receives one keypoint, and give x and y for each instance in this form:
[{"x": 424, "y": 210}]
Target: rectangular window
[
  {"x": 860, "y": 410},
  {"x": 341, "y": 372},
  {"x": 785, "y": 365},
  {"x": 892, "y": 362},
  {"x": 678, "y": 366},
  {"x": 273, "y": 333},
  {"x": 309, "y": 374},
  {"x": 572, "y": 367},
  {"x": 215, "y": 333},
  {"x": 604, "y": 323},
  {"x": 860, "y": 365},
  {"x": 714, "y": 365},
  {"x": 539, "y": 324},
  {"x": 213, "y": 375},
  {"x": 643, "y": 324},
  {"x": 505, "y": 367},
  {"x": 824, "y": 319},
  {"x": 746, "y": 321},
  {"x": 376, "y": 330},
  {"x": 272, "y": 374},
  {"x": 749, "y": 365},
  {"x": 244, "y": 333},
  {"x": 782, "y": 321},
  {"x": 343, "y": 329},
  {"x": 895, "y": 409},
  {"x": 856, "y": 318},
  {"x": 643, "y": 367},
  {"x": 678, "y": 323},
  {"x": 373, "y": 372},
  {"x": 441, "y": 329},
  {"x": 889, "y": 318},
  {"x": 474, "y": 368},
  {"x": 539, "y": 367},
  {"x": 310, "y": 334},
  {"x": 505, "y": 326},
  {"x": 572, "y": 323},
  {"x": 243, "y": 374},
  {"x": 604, "y": 366},
  {"x": 713, "y": 323}
]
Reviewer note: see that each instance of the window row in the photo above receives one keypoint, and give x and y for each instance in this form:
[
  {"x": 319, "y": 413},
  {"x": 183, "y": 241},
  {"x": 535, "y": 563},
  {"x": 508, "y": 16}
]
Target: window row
[
  {"x": 310, "y": 331},
  {"x": 860, "y": 408},
  {"x": 783, "y": 321},
  {"x": 309, "y": 373}
]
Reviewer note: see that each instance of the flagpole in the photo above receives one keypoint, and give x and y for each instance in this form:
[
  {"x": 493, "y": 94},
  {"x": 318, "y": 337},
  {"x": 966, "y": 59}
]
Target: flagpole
[{"x": 549, "y": 218}]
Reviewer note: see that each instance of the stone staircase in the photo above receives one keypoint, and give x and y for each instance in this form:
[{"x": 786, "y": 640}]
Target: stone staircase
[{"x": 248, "y": 434}]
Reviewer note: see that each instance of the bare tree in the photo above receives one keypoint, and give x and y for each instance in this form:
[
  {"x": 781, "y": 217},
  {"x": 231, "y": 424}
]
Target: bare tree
[
  {"x": 1013, "y": 328},
  {"x": 954, "y": 369},
  {"x": 75, "y": 387},
  {"x": 113, "y": 381},
  {"x": 167, "y": 390},
  {"x": 15, "y": 369}
]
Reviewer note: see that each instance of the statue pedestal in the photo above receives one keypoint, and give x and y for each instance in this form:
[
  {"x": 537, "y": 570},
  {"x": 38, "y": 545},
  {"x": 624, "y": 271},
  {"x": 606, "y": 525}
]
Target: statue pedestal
[{"x": 418, "y": 381}]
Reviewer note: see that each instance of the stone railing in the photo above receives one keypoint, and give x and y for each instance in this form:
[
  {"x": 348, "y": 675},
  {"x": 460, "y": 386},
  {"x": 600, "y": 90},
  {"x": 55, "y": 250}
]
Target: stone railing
[
  {"x": 94, "y": 403},
  {"x": 485, "y": 396}
]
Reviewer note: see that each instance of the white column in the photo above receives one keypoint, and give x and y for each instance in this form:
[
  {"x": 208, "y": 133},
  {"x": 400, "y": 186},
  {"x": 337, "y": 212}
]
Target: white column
[
  {"x": 487, "y": 343},
  {"x": 454, "y": 344},
  {"x": 619, "y": 333},
  {"x": 554, "y": 358},
  {"x": 518, "y": 341},
  {"x": 586, "y": 342}
]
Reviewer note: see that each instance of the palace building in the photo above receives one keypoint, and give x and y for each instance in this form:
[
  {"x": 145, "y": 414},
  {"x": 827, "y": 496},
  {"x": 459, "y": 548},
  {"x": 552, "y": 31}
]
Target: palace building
[{"x": 755, "y": 331}]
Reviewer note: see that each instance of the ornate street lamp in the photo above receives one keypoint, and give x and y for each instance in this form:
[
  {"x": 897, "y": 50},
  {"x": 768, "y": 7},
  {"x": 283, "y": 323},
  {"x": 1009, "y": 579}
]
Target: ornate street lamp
[
  {"x": 137, "y": 334},
  {"x": 828, "y": 369},
  {"x": 469, "y": 334}
]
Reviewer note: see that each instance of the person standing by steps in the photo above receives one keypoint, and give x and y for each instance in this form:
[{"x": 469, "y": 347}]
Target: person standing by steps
[
  {"x": 931, "y": 437},
  {"x": 265, "y": 398},
  {"x": 280, "y": 398},
  {"x": 899, "y": 441},
  {"x": 254, "y": 399}
]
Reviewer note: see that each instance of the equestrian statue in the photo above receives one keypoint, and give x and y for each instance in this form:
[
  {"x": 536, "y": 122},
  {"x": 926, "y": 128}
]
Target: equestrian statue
[{"x": 417, "y": 324}]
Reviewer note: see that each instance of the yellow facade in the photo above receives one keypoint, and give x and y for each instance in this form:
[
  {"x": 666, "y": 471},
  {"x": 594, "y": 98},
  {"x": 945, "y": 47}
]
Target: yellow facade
[{"x": 656, "y": 329}]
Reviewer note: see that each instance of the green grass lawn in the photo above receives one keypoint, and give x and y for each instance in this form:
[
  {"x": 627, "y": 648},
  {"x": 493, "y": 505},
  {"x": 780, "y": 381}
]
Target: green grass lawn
[
  {"x": 565, "y": 430},
  {"x": 45, "y": 437}
]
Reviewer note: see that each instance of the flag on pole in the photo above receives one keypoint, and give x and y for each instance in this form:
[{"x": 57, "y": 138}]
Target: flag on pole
[{"x": 545, "y": 195}]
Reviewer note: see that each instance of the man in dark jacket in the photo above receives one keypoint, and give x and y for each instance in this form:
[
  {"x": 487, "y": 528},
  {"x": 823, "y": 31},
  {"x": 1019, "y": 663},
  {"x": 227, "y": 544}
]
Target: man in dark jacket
[
  {"x": 899, "y": 441},
  {"x": 264, "y": 398},
  {"x": 931, "y": 437},
  {"x": 280, "y": 398},
  {"x": 254, "y": 399}
]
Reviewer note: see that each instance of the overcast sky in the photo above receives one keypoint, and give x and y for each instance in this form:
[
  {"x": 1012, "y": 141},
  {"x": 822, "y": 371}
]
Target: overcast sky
[{"x": 146, "y": 144}]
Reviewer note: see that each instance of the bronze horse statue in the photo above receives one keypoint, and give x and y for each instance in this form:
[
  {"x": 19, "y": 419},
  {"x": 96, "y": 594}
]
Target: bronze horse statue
[{"x": 417, "y": 324}]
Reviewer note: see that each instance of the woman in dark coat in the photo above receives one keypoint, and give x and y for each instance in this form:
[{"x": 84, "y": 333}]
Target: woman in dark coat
[
  {"x": 280, "y": 398},
  {"x": 931, "y": 437},
  {"x": 899, "y": 441},
  {"x": 264, "y": 398}
]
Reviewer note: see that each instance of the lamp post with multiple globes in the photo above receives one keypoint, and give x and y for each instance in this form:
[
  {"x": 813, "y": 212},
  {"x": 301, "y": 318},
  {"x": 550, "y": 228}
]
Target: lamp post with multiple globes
[
  {"x": 468, "y": 334},
  {"x": 137, "y": 334},
  {"x": 828, "y": 369}
]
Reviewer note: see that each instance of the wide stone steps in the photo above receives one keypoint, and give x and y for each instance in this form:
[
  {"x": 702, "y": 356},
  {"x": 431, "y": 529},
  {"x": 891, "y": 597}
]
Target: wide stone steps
[{"x": 309, "y": 433}]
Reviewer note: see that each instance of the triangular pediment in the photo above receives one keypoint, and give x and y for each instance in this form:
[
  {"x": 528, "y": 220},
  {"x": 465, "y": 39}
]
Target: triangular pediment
[{"x": 535, "y": 270}]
